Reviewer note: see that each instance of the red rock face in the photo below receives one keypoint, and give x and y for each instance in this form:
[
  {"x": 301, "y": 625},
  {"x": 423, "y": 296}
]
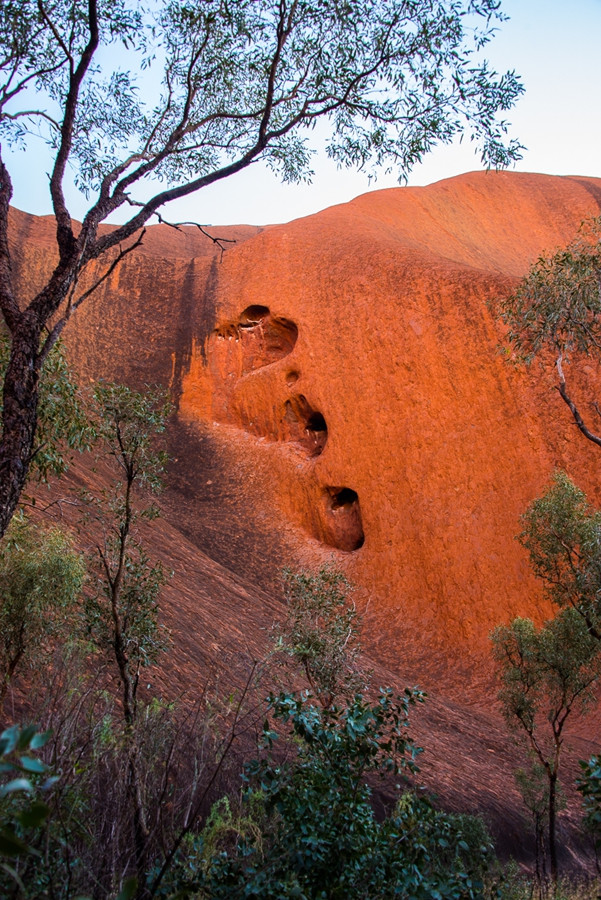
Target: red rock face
[
  {"x": 341, "y": 396},
  {"x": 357, "y": 348}
]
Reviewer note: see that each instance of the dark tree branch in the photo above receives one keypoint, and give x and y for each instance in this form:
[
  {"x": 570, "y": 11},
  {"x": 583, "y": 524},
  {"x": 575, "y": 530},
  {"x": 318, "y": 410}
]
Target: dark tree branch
[
  {"x": 149, "y": 209},
  {"x": 65, "y": 237},
  {"x": 563, "y": 392},
  {"x": 72, "y": 305},
  {"x": 56, "y": 33},
  {"x": 29, "y": 114},
  {"x": 8, "y": 304},
  {"x": 39, "y": 73},
  {"x": 178, "y": 226}
]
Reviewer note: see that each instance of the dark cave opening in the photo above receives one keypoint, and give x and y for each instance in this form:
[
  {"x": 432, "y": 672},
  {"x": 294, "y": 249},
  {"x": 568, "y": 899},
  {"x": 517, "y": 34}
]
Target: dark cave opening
[
  {"x": 343, "y": 497},
  {"x": 317, "y": 433},
  {"x": 344, "y": 526},
  {"x": 253, "y": 316}
]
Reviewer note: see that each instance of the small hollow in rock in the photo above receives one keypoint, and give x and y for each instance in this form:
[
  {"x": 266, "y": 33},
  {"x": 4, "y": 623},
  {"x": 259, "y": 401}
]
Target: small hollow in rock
[
  {"x": 253, "y": 316},
  {"x": 343, "y": 525},
  {"x": 260, "y": 339},
  {"x": 301, "y": 424},
  {"x": 316, "y": 422},
  {"x": 343, "y": 497}
]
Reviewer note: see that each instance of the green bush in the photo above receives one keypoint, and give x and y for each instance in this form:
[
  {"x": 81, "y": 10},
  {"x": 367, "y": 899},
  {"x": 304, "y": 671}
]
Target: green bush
[
  {"x": 306, "y": 826},
  {"x": 23, "y": 810},
  {"x": 41, "y": 576}
]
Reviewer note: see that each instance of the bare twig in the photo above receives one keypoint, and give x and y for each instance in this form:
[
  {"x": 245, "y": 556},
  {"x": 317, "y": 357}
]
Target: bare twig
[{"x": 234, "y": 733}]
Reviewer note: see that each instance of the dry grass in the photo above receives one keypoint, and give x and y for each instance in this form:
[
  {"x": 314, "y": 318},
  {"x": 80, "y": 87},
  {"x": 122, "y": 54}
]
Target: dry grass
[{"x": 516, "y": 887}]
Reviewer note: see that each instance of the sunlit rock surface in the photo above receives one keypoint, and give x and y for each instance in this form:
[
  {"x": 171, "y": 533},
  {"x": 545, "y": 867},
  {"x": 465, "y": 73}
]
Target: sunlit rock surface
[
  {"x": 341, "y": 392},
  {"x": 341, "y": 397}
]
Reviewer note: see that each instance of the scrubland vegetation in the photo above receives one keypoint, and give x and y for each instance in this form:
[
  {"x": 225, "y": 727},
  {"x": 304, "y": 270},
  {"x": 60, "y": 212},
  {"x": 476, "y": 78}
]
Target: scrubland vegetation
[
  {"x": 116, "y": 792},
  {"x": 119, "y": 792}
]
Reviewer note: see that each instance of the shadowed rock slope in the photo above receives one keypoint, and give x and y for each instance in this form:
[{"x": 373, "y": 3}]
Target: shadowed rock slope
[{"x": 340, "y": 397}]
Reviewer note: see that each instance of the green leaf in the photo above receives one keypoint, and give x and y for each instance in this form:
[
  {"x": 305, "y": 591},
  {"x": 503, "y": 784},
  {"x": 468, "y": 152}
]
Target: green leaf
[
  {"x": 8, "y": 740},
  {"x": 17, "y": 784},
  {"x": 33, "y": 765},
  {"x": 50, "y": 782},
  {"x": 35, "y": 815},
  {"x": 39, "y": 740},
  {"x": 11, "y": 845},
  {"x": 25, "y": 737}
]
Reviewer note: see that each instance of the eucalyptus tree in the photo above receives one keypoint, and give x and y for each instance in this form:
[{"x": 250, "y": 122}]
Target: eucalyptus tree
[
  {"x": 549, "y": 673},
  {"x": 554, "y": 316},
  {"x": 546, "y": 675},
  {"x": 561, "y": 531},
  {"x": 122, "y": 613},
  {"x": 232, "y": 82}
]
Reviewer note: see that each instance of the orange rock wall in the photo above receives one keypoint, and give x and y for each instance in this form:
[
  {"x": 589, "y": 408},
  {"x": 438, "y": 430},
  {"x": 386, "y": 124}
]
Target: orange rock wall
[
  {"x": 344, "y": 370},
  {"x": 371, "y": 320}
]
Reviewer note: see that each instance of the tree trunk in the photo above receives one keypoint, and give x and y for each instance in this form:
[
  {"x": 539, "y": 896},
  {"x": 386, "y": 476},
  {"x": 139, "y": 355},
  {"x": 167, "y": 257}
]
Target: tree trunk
[
  {"x": 552, "y": 827},
  {"x": 8, "y": 675},
  {"x": 19, "y": 415}
]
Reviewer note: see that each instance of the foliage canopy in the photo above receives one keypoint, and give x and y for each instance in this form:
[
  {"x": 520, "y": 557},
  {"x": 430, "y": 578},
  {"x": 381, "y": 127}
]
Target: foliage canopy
[
  {"x": 41, "y": 576},
  {"x": 315, "y": 832},
  {"x": 236, "y": 81},
  {"x": 546, "y": 675},
  {"x": 554, "y": 315},
  {"x": 562, "y": 533},
  {"x": 558, "y": 304}
]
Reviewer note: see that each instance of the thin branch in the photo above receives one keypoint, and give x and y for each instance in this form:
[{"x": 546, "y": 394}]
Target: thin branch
[
  {"x": 572, "y": 406},
  {"x": 8, "y": 303},
  {"x": 178, "y": 226},
  {"x": 60, "y": 502},
  {"x": 283, "y": 32},
  {"x": 29, "y": 113},
  {"x": 56, "y": 33},
  {"x": 123, "y": 252},
  {"x": 148, "y": 209},
  {"x": 39, "y": 73},
  {"x": 63, "y": 219}
]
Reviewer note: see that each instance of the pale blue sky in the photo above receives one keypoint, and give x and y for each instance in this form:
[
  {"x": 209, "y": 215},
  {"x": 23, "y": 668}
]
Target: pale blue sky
[{"x": 552, "y": 44}]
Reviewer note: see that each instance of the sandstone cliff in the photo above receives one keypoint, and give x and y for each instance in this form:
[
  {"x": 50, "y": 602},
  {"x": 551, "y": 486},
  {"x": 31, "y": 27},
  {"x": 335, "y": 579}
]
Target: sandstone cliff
[{"x": 340, "y": 397}]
